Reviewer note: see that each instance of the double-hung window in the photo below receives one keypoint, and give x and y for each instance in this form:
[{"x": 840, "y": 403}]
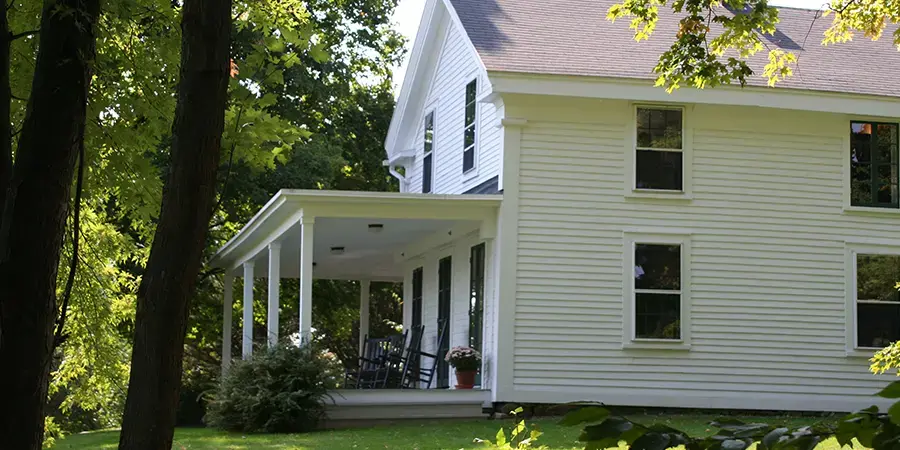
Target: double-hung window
[
  {"x": 470, "y": 126},
  {"x": 428, "y": 159},
  {"x": 874, "y": 165},
  {"x": 659, "y": 149},
  {"x": 877, "y": 299},
  {"x": 657, "y": 293}
]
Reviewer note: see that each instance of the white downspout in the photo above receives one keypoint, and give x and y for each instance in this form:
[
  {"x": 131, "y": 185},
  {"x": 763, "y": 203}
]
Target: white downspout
[{"x": 392, "y": 169}]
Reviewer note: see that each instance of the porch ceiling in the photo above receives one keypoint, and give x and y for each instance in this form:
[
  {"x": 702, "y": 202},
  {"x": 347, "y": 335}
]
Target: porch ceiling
[
  {"x": 366, "y": 255},
  {"x": 342, "y": 219}
]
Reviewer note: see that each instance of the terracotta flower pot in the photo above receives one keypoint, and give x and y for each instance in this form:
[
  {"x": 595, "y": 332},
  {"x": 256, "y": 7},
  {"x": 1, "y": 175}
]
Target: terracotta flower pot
[{"x": 465, "y": 379}]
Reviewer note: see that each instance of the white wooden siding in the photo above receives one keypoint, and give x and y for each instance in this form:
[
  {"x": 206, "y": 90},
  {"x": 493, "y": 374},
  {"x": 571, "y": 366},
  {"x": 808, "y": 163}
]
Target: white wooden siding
[
  {"x": 768, "y": 259},
  {"x": 459, "y": 250},
  {"x": 456, "y": 67}
]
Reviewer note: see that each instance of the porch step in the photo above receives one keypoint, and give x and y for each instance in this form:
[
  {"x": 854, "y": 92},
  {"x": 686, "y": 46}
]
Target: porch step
[{"x": 353, "y": 408}]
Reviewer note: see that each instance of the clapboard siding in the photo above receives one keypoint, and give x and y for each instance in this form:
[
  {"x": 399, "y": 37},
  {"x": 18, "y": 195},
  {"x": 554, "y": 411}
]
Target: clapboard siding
[
  {"x": 767, "y": 257},
  {"x": 457, "y": 66}
]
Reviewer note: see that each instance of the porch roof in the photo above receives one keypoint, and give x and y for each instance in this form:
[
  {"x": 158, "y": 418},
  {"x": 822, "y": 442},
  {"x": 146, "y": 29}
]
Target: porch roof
[{"x": 342, "y": 219}]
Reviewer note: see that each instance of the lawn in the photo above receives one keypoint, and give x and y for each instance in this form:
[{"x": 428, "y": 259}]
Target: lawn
[{"x": 430, "y": 436}]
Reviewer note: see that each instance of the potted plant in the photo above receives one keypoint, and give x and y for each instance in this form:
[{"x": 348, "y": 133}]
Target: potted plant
[{"x": 466, "y": 361}]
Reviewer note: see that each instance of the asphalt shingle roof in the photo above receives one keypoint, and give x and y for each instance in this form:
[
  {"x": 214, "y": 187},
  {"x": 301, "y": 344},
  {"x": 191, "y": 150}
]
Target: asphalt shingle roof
[{"x": 573, "y": 37}]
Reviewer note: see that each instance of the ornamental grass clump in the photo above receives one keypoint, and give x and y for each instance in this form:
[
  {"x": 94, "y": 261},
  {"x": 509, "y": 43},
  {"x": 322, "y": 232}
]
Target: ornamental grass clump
[{"x": 464, "y": 358}]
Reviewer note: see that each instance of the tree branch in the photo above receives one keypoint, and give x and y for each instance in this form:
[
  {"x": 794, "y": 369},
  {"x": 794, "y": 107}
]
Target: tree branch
[{"x": 59, "y": 337}]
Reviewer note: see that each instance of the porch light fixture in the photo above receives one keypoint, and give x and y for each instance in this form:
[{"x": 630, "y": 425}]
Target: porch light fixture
[
  {"x": 376, "y": 227},
  {"x": 337, "y": 250}
]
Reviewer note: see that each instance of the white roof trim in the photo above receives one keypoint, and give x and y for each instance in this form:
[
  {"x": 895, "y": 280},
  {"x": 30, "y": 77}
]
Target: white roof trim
[
  {"x": 645, "y": 91},
  {"x": 413, "y": 69},
  {"x": 454, "y": 17},
  {"x": 428, "y": 42}
]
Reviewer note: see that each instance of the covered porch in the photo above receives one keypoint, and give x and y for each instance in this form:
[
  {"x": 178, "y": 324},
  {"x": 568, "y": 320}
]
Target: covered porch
[{"x": 425, "y": 242}]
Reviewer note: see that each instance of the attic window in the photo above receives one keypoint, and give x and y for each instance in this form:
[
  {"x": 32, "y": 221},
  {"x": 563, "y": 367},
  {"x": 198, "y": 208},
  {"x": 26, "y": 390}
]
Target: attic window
[
  {"x": 659, "y": 158},
  {"x": 469, "y": 133}
]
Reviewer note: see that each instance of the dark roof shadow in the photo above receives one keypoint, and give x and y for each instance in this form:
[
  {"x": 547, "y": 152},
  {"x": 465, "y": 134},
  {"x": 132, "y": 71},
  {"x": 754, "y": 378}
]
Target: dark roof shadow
[
  {"x": 480, "y": 19},
  {"x": 778, "y": 38}
]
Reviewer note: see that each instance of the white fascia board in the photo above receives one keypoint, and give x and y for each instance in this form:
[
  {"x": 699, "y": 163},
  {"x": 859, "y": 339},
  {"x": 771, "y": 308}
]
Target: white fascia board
[
  {"x": 258, "y": 220},
  {"x": 413, "y": 72},
  {"x": 644, "y": 91}
]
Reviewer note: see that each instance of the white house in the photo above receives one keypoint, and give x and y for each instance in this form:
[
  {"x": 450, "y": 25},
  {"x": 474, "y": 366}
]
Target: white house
[{"x": 602, "y": 240}]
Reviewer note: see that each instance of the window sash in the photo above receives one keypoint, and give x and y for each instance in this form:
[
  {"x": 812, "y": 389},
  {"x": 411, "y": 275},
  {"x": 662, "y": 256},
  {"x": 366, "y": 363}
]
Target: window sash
[
  {"x": 635, "y": 291},
  {"x": 469, "y": 122},
  {"x": 875, "y": 162},
  {"x": 638, "y": 148}
]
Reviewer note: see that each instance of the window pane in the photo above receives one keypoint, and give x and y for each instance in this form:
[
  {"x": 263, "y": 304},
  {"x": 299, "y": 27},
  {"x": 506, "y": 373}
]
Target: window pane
[
  {"x": 876, "y": 276},
  {"x": 471, "y": 90},
  {"x": 658, "y": 170},
  {"x": 657, "y": 316},
  {"x": 470, "y": 137},
  {"x": 879, "y": 324},
  {"x": 887, "y": 184},
  {"x": 427, "y": 167},
  {"x": 429, "y": 132},
  {"x": 468, "y": 159},
  {"x": 657, "y": 266},
  {"x": 470, "y": 113},
  {"x": 659, "y": 128}
]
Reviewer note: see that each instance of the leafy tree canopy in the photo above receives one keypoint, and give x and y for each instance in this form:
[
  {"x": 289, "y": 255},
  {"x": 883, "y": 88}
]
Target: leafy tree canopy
[
  {"x": 713, "y": 45},
  {"x": 309, "y": 103}
]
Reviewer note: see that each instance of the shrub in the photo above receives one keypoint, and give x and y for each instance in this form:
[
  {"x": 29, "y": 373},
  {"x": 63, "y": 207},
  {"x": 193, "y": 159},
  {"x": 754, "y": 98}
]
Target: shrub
[{"x": 278, "y": 390}]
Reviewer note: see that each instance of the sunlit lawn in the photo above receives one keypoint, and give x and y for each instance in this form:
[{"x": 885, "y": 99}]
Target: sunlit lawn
[{"x": 436, "y": 435}]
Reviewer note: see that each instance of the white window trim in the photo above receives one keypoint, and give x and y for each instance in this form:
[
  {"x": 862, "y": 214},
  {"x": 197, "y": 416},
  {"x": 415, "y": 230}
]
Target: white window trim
[
  {"x": 665, "y": 237},
  {"x": 861, "y": 210},
  {"x": 473, "y": 172},
  {"x": 687, "y": 159},
  {"x": 430, "y": 110},
  {"x": 852, "y": 249}
]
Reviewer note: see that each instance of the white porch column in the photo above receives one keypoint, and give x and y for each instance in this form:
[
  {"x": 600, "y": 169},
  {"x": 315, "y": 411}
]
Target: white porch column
[
  {"x": 247, "y": 344},
  {"x": 363, "y": 312},
  {"x": 227, "y": 305},
  {"x": 274, "y": 291},
  {"x": 306, "y": 277}
]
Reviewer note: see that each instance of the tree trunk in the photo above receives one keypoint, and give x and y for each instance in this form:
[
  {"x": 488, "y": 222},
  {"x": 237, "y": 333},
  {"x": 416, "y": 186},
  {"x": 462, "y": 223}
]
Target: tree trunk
[
  {"x": 35, "y": 215},
  {"x": 5, "y": 127},
  {"x": 174, "y": 263}
]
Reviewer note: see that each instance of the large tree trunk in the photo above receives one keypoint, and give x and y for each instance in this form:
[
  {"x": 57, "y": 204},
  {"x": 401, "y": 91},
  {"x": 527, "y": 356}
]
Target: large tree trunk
[
  {"x": 35, "y": 215},
  {"x": 5, "y": 127},
  {"x": 174, "y": 263}
]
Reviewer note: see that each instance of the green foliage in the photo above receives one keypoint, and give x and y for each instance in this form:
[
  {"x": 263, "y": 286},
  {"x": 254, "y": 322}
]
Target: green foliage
[
  {"x": 869, "y": 427},
  {"x": 886, "y": 359},
  {"x": 697, "y": 57},
  {"x": 520, "y": 435},
  {"x": 309, "y": 104},
  {"x": 278, "y": 390}
]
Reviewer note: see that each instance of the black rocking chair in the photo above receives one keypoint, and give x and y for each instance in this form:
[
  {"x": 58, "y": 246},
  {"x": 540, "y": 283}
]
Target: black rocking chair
[
  {"x": 414, "y": 374},
  {"x": 375, "y": 362}
]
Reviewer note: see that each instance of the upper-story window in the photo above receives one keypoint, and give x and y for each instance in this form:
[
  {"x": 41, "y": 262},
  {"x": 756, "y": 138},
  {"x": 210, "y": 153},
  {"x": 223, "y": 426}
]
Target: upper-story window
[
  {"x": 874, "y": 165},
  {"x": 428, "y": 159},
  {"x": 659, "y": 150},
  {"x": 469, "y": 134}
]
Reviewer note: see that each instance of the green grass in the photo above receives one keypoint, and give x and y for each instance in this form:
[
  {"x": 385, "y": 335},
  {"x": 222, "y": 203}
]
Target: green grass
[{"x": 422, "y": 436}]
